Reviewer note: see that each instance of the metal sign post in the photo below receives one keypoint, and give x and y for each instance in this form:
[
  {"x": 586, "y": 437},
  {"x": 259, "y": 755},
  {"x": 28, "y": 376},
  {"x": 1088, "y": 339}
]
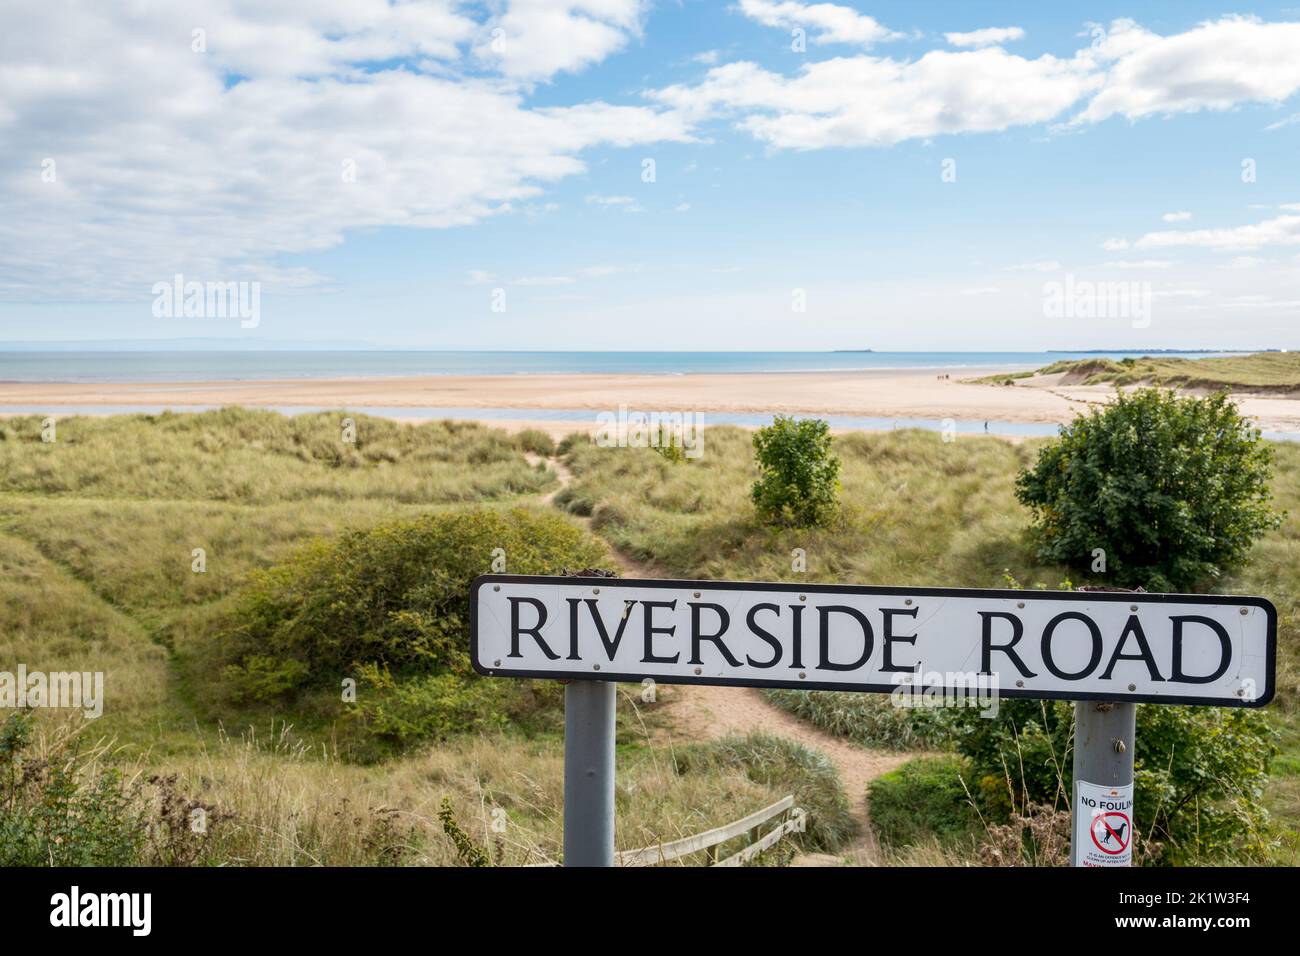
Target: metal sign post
[
  {"x": 1103, "y": 760},
  {"x": 589, "y": 773}
]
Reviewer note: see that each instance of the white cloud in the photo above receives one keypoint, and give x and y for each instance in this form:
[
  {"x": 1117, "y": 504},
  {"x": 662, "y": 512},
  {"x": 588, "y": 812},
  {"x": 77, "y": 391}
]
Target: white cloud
[
  {"x": 536, "y": 39},
  {"x": 626, "y": 203},
  {"x": 1293, "y": 118},
  {"x": 479, "y": 277},
  {"x": 833, "y": 23},
  {"x": 218, "y": 164},
  {"x": 876, "y": 101},
  {"x": 1139, "y": 264},
  {"x": 981, "y": 290},
  {"x": 867, "y": 100},
  {"x": 1181, "y": 216},
  {"x": 1261, "y": 302},
  {"x": 682, "y": 207},
  {"x": 1278, "y": 231},
  {"x": 1247, "y": 262},
  {"x": 1115, "y": 244},
  {"x": 1216, "y": 66},
  {"x": 543, "y": 280},
  {"x": 989, "y": 36},
  {"x": 1045, "y": 265}
]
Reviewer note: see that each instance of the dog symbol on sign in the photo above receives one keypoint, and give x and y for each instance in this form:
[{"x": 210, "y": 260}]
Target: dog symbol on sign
[{"x": 1110, "y": 831}]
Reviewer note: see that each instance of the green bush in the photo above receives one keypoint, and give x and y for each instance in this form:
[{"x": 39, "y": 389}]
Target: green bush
[
  {"x": 399, "y": 713},
  {"x": 388, "y": 607},
  {"x": 806, "y": 773},
  {"x": 923, "y": 798},
  {"x": 1199, "y": 772},
  {"x": 798, "y": 476},
  {"x": 50, "y": 815},
  {"x": 1173, "y": 490}
]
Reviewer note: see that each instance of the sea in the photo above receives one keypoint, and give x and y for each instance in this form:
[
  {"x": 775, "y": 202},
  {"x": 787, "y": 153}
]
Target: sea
[{"x": 248, "y": 365}]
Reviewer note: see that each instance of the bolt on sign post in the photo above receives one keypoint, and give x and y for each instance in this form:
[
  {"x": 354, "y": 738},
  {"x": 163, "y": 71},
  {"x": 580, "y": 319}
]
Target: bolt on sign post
[{"x": 1105, "y": 650}]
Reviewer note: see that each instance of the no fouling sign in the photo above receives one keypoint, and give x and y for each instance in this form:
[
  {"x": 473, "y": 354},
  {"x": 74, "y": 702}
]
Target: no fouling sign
[{"x": 1176, "y": 649}]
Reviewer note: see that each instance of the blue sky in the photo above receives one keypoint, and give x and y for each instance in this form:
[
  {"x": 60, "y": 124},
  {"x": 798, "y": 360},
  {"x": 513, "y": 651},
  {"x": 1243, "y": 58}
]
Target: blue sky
[{"x": 1103, "y": 144}]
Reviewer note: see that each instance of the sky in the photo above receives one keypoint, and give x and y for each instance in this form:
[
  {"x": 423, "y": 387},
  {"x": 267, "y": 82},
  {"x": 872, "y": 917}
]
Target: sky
[{"x": 628, "y": 174}]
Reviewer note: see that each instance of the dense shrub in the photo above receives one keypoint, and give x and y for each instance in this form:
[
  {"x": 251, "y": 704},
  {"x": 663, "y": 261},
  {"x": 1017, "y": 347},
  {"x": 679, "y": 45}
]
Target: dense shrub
[
  {"x": 389, "y": 607},
  {"x": 396, "y": 594},
  {"x": 798, "y": 476},
  {"x": 924, "y": 798},
  {"x": 1172, "y": 490},
  {"x": 806, "y": 773},
  {"x": 50, "y": 815},
  {"x": 424, "y": 706},
  {"x": 1199, "y": 772}
]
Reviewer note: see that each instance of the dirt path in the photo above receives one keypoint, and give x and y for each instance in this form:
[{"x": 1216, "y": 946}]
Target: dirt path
[
  {"x": 710, "y": 712},
  {"x": 626, "y": 567},
  {"x": 702, "y": 712}
]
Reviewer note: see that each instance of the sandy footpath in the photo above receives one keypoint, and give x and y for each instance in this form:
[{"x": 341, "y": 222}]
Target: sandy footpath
[{"x": 868, "y": 394}]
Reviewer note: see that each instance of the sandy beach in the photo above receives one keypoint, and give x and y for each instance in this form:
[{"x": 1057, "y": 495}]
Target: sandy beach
[{"x": 884, "y": 394}]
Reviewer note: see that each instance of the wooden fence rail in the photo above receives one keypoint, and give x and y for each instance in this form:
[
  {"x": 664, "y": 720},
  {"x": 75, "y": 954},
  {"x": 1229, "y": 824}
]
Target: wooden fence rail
[{"x": 793, "y": 820}]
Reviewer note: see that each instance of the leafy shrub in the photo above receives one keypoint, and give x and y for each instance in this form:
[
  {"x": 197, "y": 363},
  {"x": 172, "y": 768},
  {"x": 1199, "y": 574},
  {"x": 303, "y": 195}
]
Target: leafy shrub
[
  {"x": 51, "y": 816},
  {"x": 869, "y": 719},
  {"x": 424, "y": 706},
  {"x": 798, "y": 476},
  {"x": 1173, "y": 490},
  {"x": 790, "y": 766},
  {"x": 395, "y": 595},
  {"x": 923, "y": 798},
  {"x": 1199, "y": 772},
  {"x": 389, "y": 607}
]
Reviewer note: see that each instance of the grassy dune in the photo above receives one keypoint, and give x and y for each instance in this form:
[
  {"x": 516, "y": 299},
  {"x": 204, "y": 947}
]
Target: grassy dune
[
  {"x": 1260, "y": 372},
  {"x": 97, "y": 531},
  {"x": 96, "y": 537}
]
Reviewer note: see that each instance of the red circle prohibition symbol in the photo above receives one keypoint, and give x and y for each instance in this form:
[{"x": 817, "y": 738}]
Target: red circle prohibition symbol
[{"x": 1121, "y": 831}]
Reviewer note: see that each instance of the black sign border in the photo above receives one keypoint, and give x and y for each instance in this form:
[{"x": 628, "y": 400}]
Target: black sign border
[{"x": 1128, "y": 597}]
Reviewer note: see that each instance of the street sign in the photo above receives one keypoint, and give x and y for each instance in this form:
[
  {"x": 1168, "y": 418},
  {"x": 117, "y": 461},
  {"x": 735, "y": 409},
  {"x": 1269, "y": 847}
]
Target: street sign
[{"x": 1130, "y": 647}]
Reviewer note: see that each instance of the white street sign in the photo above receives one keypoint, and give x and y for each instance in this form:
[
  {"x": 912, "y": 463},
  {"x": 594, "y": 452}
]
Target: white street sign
[{"x": 1176, "y": 649}]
